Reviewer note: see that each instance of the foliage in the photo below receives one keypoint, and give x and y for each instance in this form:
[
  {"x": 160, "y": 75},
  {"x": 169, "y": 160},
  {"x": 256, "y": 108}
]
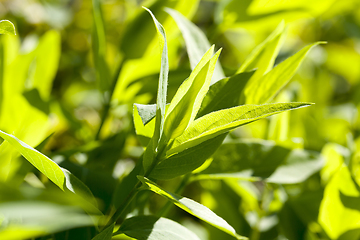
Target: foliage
[{"x": 111, "y": 113}]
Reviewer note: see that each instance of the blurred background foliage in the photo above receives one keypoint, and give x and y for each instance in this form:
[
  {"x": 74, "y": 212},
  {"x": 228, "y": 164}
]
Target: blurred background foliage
[{"x": 75, "y": 68}]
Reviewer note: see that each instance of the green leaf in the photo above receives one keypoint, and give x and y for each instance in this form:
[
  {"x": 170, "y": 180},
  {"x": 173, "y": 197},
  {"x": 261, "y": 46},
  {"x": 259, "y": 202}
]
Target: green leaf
[
  {"x": 99, "y": 49},
  {"x": 194, "y": 208},
  {"x": 155, "y": 228},
  {"x": 187, "y": 160},
  {"x": 105, "y": 234},
  {"x": 298, "y": 167},
  {"x": 255, "y": 160},
  {"x": 7, "y": 27},
  {"x": 61, "y": 177},
  {"x": 143, "y": 132},
  {"x": 196, "y": 42},
  {"x": 219, "y": 122},
  {"x": 265, "y": 88},
  {"x": 335, "y": 217},
  {"x": 146, "y": 111},
  {"x": 263, "y": 56},
  {"x": 225, "y": 93},
  {"x": 32, "y": 219},
  {"x": 163, "y": 79},
  {"x": 187, "y": 100}
]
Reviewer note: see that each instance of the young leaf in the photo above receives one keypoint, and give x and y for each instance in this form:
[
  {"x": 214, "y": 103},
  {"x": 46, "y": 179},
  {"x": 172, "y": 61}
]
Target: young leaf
[
  {"x": 219, "y": 122},
  {"x": 194, "y": 208},
  {"x": 187, "y": 100},
  {"x": 196, "y": 42},
  {"x": 225, "y": 93},
  {"x": 187, "y": 160},
  {"x": 265, "y": 88},
  {"x": 7, "y": 27},
  {"x": 163, "y": 79},
  {"x": 61, "y": 177},
  {"x": 105, "y": 234},
  {"x": 263, "y": 56},
  {"x": 155, "y": 228}
]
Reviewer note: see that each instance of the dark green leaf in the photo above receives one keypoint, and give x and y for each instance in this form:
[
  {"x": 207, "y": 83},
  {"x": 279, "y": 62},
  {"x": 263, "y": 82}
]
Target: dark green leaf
[{"x": 105, "y": 234}]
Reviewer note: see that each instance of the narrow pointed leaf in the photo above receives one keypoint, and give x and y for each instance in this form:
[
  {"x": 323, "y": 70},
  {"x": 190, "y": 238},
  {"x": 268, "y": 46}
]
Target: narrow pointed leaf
[
  {"x": 7, "y": 27},
  {"x": 61, "y": 177},
  {"x": 216, "y": 123},
  {"x": 187, "y": 101},
  {"x": 163, "y": 79},
  {"x": 194, "y": 208},
  {"x": 99, "y": 49},
  {"x": 264, "y": 55},
  {"x": 105, "y": 234},
  {"x": 225, "y": 93},
  {"x": 155, "y": 228},
  {"x": 196, "y": 42},
  {"x": 187, "y": 160},
  {"x": 265, "y": 88}
]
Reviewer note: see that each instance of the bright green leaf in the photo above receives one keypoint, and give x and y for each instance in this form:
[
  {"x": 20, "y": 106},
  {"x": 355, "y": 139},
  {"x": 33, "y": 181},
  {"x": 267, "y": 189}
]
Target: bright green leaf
[
  {"x": 61, "y": 177},
  {"x": 7, "y": 27},
  {"x": 187, "y": 101},
  {"x": 143, "y": 132},
  {"x": 196, "y": 42},
  {"x": 192, "y": 207},
  {"x": 219, "y": 122},
  {"x": 155, "y": 228},
  {"x": 265, "y": 88},
  {"x": 263, "y": 56}
]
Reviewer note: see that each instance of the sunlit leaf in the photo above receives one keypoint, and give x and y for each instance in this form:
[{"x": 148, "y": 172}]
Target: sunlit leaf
[
  {"x": 187, "y": 160},
  {"x": 7, "y": 27},
  {"x": 187, "y": 100},
  {"x": 334, "y": 217},
  {"x": 265, "y": 88},
  {"x": 225, "y": 93},
  {"x": 144, "y": 132},
  {"x": 216, "y": 123},
  {"x": 192, "y": 207},
  {"x": 155, "y": 228},
  {"x": 61, "y": 177},
  {"x": 263, "y": 56}
]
